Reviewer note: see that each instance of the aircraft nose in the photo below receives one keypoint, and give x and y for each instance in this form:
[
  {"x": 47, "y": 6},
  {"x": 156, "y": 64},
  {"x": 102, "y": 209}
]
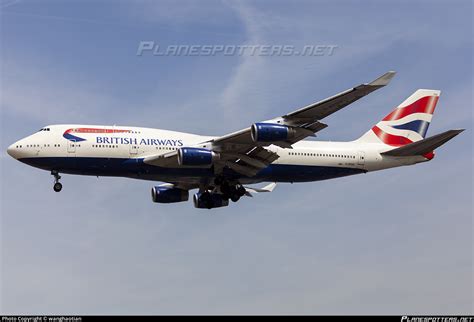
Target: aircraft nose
[{"x": 12, "y": 150}]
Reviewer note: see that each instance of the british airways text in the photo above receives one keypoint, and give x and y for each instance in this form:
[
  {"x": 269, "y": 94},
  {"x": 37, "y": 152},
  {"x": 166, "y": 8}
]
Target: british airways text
[{"x": 136, "y": 141}]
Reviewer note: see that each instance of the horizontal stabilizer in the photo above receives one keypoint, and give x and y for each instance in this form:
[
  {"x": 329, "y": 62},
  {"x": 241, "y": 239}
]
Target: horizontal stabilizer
[{"x": 423, "y": 146}]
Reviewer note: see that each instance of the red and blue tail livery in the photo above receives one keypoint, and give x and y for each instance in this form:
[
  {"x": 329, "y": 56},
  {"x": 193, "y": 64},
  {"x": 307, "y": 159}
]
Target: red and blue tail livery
[{"x": 408, "y": 122}]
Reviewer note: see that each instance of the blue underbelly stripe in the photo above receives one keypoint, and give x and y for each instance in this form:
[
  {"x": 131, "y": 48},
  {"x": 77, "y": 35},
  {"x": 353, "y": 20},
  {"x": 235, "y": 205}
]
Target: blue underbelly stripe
[{"x": 122, "y": 167}]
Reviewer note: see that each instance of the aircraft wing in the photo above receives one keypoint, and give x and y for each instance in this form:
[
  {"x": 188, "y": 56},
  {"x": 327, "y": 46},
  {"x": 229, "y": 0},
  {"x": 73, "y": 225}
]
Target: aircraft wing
[
  {"x": 246, "y": 162},
  {"x": 240, "y": 151},
  {"x": 166, "y": 160},
  {"x": 306, "y": 120}
]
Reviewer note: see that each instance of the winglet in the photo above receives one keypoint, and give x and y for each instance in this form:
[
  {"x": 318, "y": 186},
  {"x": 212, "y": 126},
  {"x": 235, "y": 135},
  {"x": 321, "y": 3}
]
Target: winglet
[{"x": 383, "y": 80}]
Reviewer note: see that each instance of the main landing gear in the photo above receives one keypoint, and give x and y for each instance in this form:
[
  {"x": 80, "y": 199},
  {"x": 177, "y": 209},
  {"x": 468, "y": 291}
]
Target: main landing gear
[
  {"x": 57, "y": 185},
  {"x": 230, "y": 191},
  {"x": 219, "y": 197}
]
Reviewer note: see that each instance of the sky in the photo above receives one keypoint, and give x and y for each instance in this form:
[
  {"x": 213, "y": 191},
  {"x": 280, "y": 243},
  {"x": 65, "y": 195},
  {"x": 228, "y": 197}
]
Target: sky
[{"x": 392, "y": 242}]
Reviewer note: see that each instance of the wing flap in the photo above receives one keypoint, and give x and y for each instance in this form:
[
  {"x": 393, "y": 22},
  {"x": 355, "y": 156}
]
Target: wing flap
[
  {"x": 267, "y": 188},
  {"x": 246, "y": 170},
  {"x": 252, "y": 162},
  {"x": 262, "y": 156}
]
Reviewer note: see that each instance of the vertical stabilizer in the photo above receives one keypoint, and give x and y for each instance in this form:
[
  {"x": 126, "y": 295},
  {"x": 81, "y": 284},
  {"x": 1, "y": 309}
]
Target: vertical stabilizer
[{"x": 407, "y": 123}]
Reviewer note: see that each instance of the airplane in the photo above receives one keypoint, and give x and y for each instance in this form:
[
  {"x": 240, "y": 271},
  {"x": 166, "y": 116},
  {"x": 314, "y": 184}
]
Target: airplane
[{"x": 221, "y": 168}]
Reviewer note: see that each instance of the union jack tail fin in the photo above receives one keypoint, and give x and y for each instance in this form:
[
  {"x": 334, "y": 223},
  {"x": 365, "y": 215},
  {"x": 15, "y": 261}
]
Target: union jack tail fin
[{"x": 407, "y": 123}]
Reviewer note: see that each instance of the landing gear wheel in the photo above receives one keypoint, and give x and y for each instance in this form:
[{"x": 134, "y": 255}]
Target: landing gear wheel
[
  {"x": 206, "y": 198},
  {"x": 241, "y": 190},
  {"x": 57, "y": 186},
  {"x": 235, "y": 197},
  {"x": 225, "y": 188},
  {"x": 225, "y": 197},
  {"x": 218, "y": 181}
]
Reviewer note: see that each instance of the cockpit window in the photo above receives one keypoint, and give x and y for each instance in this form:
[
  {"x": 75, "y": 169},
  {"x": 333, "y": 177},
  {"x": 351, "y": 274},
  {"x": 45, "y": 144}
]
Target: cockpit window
[{"x": 44, "y": 129}]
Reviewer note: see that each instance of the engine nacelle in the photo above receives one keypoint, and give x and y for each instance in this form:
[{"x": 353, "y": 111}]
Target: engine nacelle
[
  {"x": 208, "y": 200},
  {"x": 163, "y": 194},
  {"x": 268, "y": 132},
  {"x": 196, "y": 157}
]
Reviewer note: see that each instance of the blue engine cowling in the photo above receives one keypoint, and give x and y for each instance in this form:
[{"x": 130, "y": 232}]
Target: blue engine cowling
[
  {"x": 162, "y": 194},
  {"x": 268, "y": 132},
  {"x": 208, "y": 200},
  {"x": 196, "y": 157}
]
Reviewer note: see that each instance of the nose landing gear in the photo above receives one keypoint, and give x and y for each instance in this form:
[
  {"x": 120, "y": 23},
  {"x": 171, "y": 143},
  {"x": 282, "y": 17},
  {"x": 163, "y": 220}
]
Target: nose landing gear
[{"x": 57, "y": 185}]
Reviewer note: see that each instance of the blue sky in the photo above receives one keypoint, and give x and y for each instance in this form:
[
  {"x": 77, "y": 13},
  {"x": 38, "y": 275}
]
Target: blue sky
[{"x": 392, "y": 242}]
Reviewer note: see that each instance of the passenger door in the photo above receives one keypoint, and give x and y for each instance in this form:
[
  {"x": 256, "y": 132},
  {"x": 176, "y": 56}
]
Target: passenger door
[
  {"x": 133, "y": 150},
  {"x": 71, "y": 148},
  {"x": 361, "y": 158}
]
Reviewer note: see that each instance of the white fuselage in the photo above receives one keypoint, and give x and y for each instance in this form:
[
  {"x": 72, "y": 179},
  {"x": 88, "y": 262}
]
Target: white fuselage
[{"x": 113, "y": 152}]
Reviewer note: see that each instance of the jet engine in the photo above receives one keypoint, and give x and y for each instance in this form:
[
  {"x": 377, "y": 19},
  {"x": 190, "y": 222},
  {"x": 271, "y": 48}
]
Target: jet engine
[
  {"x": 163, "y": 194},
  {"x": 196, "y": 157},
  {"x": 268, "y": 132}
]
